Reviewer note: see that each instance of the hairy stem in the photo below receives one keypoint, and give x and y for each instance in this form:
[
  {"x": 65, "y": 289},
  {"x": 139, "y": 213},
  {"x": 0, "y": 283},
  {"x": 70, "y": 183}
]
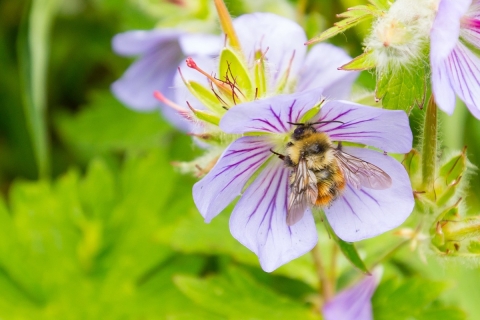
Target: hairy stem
[
  {"x": 227, "y": 25},
  {"x": 325, "y": 284},
  {"x": 429, "y": 156}
]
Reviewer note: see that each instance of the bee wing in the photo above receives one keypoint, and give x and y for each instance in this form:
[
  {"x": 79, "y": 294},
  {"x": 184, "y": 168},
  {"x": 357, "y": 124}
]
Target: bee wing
[
  {"x": 303, "y": 192},
  {"x": 361, "y": 173}
]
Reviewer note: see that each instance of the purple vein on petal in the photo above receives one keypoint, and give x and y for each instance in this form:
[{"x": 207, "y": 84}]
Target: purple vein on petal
[
  {"x": 348, "y": 203},
  {"x": 370, "y": 196},
  {"x": 267, "y": 123},
  {"x": 277, "y": 116}
]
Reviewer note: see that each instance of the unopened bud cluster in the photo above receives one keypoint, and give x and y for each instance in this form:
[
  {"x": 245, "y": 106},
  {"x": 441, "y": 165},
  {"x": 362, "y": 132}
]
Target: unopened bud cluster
[{"x": 400, "y": 37}]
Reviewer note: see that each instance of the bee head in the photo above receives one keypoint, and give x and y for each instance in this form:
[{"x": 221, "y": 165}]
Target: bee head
[{"x": 303, "y": 130}]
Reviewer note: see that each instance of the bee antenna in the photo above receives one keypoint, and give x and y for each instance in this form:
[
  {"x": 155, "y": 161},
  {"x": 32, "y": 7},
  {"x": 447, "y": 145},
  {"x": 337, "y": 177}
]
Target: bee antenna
[{"x": 296, "y": 124}]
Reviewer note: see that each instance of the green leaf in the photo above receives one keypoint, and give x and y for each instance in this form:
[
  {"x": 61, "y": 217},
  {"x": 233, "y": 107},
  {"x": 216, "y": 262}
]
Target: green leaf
[
  {"x": 85, "y": 248},
  {"x": 403, "y": 88},
  {"x": 348, "y": 249},
  {"x": 410, "y": 299},
  {"x": 237, "y": 296},
  {"x": 33, "y": 43},
  {"x": 106, "y": 125}
]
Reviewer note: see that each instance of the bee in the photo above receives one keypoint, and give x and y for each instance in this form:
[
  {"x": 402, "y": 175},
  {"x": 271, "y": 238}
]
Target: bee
[{"x": 321, "y": 171}]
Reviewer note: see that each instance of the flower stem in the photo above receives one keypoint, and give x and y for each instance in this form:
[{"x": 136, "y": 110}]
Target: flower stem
[
  {"x": 325, "y": 284},
  {"x": 389, "y": 254},
  {"x": 333, "y": 265},
  {"x": 429, "y": 156},
  {"x": 227, "y": 25}
]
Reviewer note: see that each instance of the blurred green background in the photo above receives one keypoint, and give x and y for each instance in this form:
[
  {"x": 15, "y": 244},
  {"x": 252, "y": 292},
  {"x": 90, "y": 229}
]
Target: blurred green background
[{"x": 96, "y": 224}]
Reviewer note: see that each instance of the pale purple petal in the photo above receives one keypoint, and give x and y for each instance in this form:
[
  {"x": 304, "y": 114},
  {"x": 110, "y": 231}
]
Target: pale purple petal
[
  {"x": 270, "y": 114},
  {"x": 463, "y": 69},
  {"x": 446, "y": 28},
  {"x": 354, "y": 303},
  {"x": 320, "y": 70},
  {"x": 259, "y": 220},
  {"x": 138, "y": 42},
  {"x": 282, "y": 37},
  {"x": 155, "y": 70},
  {"x": 388, "y": 130},
  {"x": 442, "y": 88},
  {"x": 364, "y": 213},
  {"x": 197, "y": 44},
  {"x": 226, "y": 180}
]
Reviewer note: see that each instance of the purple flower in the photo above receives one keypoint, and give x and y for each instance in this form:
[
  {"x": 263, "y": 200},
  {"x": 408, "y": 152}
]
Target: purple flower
[
  {"x": 455, "y": 67},
  {"x": 258, "y": 220},
  {"x": 265, "y": 34},
  {"x": 160, "y": 51},
  {"x": 353, "y": 303}
]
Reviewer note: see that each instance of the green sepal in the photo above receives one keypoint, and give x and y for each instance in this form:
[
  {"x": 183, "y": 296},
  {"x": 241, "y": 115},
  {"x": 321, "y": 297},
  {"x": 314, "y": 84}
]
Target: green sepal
[
  {"x": 412, "y": 162},
  {"x": 206, "y": 97},
  {"x": 348, "y": 249},
  {"x": 260, "y": 75},
  {"x": 364, "y": 61},
  {"x": 206, "y": 116},
  {"x": 381, "y": 4},
  {"x": 312, "y": 112},
  {"x": 453, "y": 168},
  {"x": 352, "y": 17},
  {"x": 449, "y": 177},
  {"x": 233, "y": 69}
]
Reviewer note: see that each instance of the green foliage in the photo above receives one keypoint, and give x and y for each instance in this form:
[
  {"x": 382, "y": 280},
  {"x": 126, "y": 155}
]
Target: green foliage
[
  {"x": 85, "y": 247},
  {"x": 115, "y": 235},
  {"x": 404, "y": 87},
  {"x": 415, "y": 298},
  {"x": 33, "y": 50},
  {"x": 106, "y": 125},
  {"x": 348, "y": 249},
  {"x": 236, "y": 295}
]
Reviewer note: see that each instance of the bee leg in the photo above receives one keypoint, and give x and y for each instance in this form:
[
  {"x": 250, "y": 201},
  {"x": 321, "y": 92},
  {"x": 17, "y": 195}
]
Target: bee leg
[
  {"x": 281, "y": 156},
  {"x": 339, "y": 145}
]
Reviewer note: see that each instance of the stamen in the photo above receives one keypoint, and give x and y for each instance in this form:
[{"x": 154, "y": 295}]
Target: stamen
[
  {"x": 160, "y": 97},
  {"x": 193, "y": 65},
  {"x": 287, "y": 73},
  {"x": 284, "y": 80}
]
